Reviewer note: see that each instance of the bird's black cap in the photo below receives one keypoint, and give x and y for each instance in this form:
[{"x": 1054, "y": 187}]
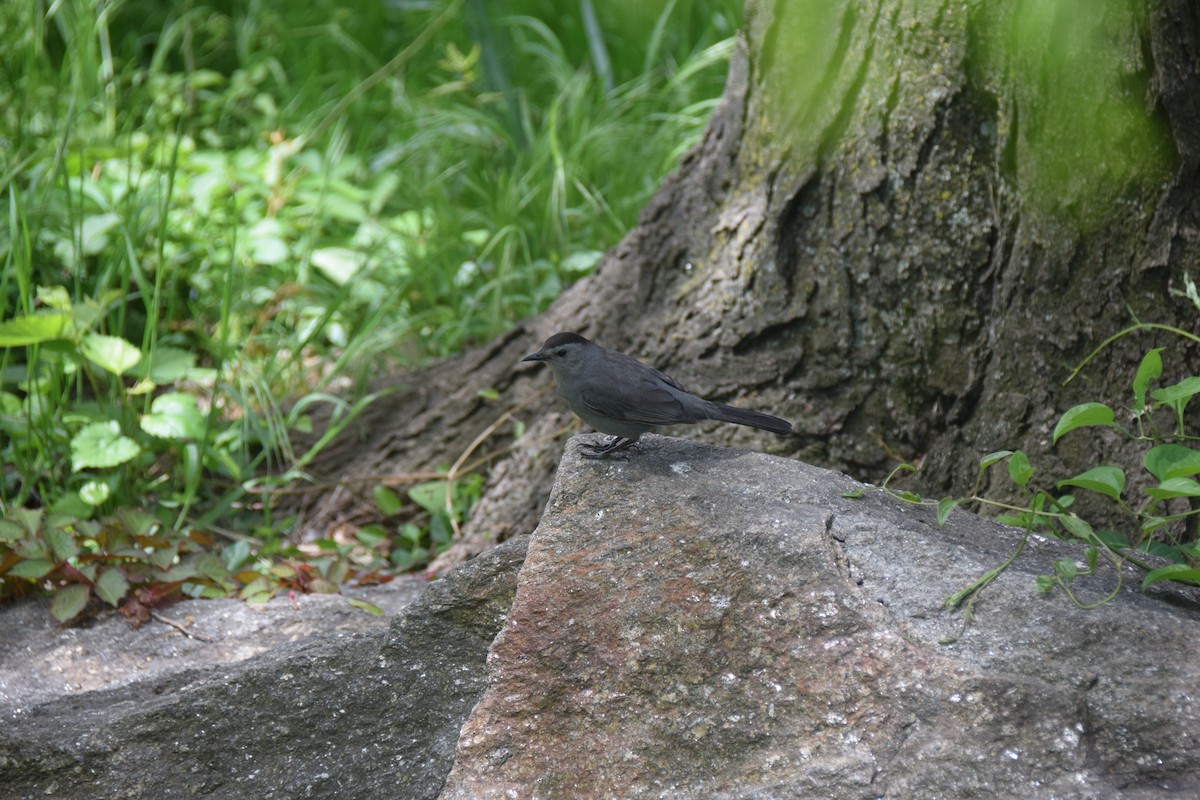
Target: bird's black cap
[{"x": 557, "y": 340}]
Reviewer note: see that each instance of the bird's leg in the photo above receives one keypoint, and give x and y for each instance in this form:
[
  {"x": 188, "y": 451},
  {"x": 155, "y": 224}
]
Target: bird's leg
[{"x": 613, "y": 445}]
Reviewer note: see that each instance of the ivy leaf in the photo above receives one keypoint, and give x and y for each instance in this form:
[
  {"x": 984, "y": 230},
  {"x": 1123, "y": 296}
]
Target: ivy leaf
[
  {"x": 1166, "y": 461},
  {"x": 1148, "y": 370},
  {"x": 1082, "y": 416},
  {"x": 944, "y": 507},
  {"x": 1108, "y": 481},
  {"x": 1019, "y": 469},
  {"x": 1178, "y": 393},
  {"x": 992, "y": 458},
  {"x": 1184, "y": 573},
  {"x": 100, "y": 445},
  {"x": 1174, "y": 487}
]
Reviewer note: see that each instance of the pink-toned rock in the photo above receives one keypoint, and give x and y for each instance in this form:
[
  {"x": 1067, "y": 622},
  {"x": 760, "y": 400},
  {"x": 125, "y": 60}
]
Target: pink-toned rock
[{"x": 702, "y": 623}]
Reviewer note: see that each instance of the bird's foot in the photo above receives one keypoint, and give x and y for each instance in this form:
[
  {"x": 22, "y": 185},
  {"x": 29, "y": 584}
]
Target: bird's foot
[{"x": 614, "y": 445}]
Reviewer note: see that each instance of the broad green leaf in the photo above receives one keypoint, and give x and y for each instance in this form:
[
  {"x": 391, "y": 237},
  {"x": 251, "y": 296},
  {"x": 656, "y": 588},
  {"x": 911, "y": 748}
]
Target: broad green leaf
[
  {"x": 1174, "y": 487},
  {"x": 1019, "y": 468},
  {"x": 31, "y": 569},
  {"x": 101, "y": 445},
  {"x": 24, "y": 331},
  {"x": 110, "y": 352},
  {"x": 69, "y": 601},
  {"x": 429, "y": 496},
  {"x": 992, "y": 458},
  {"x": 387, "y": 500},
  {"x": 174, "y": 416},
  {"x": 944, "y": 507},
  {"x": 1184, "y": 573},
  {"x": 1108, "y": 481},
  {"x": 1172, "y": 461},
  {"x": 1148, "y": 370},
  {"x": 1179, "y": 392},
  {"x": 111, "y": 586},
  {"x": 1082, "y": 416}
]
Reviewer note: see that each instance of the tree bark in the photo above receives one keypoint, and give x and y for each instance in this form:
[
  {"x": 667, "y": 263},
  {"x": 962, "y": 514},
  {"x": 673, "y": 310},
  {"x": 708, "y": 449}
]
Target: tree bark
[{"x": 905, "y": 225}]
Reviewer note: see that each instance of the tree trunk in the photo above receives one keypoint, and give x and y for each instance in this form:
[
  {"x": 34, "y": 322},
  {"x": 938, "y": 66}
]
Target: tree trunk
[{"x": 906, "y": 224}]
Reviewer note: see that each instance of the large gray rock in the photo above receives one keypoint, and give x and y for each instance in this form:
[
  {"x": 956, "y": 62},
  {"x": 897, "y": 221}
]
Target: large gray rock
[
  {"x": 333, "y": 715},
  {"x": 704, "y": 623},
  {"x": 691, "y": 622}
]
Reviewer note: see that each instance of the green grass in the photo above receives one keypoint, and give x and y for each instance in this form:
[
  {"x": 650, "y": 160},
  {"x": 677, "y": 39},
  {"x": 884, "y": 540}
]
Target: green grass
[{"x": 209, "y": 215}]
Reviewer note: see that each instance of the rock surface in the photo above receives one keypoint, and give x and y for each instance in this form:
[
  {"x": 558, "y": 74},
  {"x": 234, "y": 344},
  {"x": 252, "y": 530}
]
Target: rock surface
[
  {"x": 339, "y": 714},
  {"x": 704, "y": 623},
  {"x": 690, "y": 623}
]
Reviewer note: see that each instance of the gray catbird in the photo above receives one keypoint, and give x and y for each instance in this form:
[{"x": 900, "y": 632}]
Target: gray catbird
[{"x": 621, "y": 396}]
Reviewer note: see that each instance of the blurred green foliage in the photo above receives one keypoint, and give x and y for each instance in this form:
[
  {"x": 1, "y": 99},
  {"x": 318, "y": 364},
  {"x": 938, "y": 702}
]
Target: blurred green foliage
[{"x": 213, "y": 211}]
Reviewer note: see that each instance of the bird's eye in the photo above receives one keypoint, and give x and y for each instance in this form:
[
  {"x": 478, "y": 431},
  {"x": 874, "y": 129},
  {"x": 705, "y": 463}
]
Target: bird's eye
[{"x": 560, "y": 352}]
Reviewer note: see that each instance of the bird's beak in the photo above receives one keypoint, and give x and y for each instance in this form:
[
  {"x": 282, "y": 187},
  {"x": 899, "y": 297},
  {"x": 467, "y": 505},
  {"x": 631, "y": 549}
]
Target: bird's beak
[{"x": 535, "y": 357}]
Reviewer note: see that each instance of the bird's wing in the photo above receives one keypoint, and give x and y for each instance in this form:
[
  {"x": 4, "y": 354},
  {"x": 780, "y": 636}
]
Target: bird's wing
[{"x": 641, "y": 400}]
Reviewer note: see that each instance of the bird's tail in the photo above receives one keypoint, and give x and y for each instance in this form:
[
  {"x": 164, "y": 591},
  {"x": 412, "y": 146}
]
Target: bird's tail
[{"x": 744, "y": 416}]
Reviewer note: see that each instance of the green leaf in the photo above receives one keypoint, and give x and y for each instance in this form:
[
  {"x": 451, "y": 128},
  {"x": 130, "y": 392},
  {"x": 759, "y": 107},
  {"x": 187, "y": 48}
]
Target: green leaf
[
  {"x": 363, "y": 605},
  {"x": 1148, "y": 370},
  {"x": 69, "y": 601},
  {"x": 992, "y": 458},
  {"x": 1065, "y": 569},
  {"x": 111, "y": 586},
  {"x": 55, "y": 297},
  {"x": 944, "y": 507},
  {"x": 339, "y": 264},
  {"x": 1184, "y": 573},
  {"x": 24, "y": 331},
  {"x": 1082, "y": 416},
  {"x": 1174, "y": 487},
  {"x": 61, "y": 543},
  {"x": 93, "y": 232},
  {"x": 11, "y": 531},
  {"x": 489, "y": 394},
  {"x": 1019, "y": 469},
  {"x": 93, "y": 493},
  {"x": 430, "y": 496},
  {"x": 853, "y": 494},
  {"x": 101, "y": 445},
  {"x": 389, "y": 502},
  {"x": 1179, "y": 392},
  {"x": 1172, "y": 461},
  {"x": 1078, "y": 527},
  {"x": 110, "y": 352},
  {"x": 167, "y": 365},
  {"x": 1108, "y": 481},
  {"x": 31, "y": 569},
  {"x": 174, "y": 416}
]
